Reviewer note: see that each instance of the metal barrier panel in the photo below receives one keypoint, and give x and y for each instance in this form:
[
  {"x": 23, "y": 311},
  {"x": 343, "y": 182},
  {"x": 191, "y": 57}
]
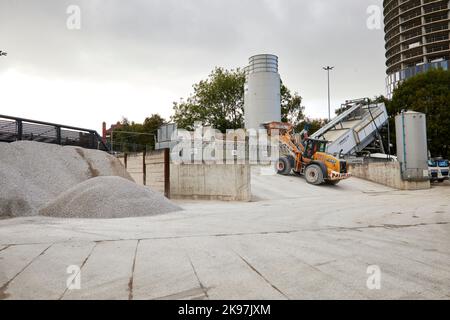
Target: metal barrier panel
[{"x": 16, "y": 129}]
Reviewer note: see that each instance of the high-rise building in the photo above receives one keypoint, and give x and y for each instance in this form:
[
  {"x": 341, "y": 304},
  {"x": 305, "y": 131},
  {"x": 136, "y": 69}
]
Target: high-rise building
[{"x": 417, "y": 34}]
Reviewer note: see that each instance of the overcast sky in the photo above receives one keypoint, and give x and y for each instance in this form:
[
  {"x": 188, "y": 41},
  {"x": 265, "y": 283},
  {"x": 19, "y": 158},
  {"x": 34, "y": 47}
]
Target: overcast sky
[{"x": 134, "y": 58}]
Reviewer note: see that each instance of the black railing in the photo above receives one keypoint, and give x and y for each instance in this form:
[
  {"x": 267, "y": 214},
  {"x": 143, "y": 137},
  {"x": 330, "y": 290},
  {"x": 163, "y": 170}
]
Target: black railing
[{"x": 16, "y": 129}]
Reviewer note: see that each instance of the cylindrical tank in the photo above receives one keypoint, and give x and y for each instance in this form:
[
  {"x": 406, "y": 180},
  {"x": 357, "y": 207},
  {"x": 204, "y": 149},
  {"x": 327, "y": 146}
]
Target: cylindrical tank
[
  {"x": 412, "y": 145},
  {"x": 262, "y": 99}
]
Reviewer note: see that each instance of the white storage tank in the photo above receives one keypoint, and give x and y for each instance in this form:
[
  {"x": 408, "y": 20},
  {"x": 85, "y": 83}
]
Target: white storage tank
[
  {"x": 412, "y": 145},
  {"x": 262, "y": 98}
]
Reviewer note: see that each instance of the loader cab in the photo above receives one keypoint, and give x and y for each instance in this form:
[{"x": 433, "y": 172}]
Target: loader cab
[{"x": 312, "y": 146}]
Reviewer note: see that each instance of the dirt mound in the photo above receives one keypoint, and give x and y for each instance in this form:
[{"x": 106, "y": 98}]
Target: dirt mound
[
  {"x": 106, "y": 198},
  {"x": 33, "y": 173}
]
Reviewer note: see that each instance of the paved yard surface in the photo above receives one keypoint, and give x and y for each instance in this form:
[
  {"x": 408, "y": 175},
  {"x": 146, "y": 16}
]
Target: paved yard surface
[{"x": 294, "y": 241}]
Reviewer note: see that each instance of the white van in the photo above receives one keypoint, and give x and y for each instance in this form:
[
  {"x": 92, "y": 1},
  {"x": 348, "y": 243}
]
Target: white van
[{"x": 439, "y": 170}]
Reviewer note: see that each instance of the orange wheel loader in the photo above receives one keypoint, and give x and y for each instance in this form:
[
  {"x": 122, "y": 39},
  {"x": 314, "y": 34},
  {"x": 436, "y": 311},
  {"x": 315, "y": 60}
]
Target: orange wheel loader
[{"x": 306, "y": 157}]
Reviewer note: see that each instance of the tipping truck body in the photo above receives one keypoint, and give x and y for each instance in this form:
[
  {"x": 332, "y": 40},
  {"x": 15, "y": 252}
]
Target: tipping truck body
[{"x": 353, "y": 130}]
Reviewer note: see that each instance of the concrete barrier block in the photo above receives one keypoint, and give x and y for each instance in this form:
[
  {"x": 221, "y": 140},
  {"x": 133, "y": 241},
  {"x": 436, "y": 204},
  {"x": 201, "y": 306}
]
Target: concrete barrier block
[
  {"x": 388, "y": 174},
  {"x": 211, "y": 182}
]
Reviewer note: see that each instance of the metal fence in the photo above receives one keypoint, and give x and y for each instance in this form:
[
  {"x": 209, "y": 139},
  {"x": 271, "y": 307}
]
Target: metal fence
[
  {"x": 16, "y": 129},
  {"x": 119, "y": 148}
]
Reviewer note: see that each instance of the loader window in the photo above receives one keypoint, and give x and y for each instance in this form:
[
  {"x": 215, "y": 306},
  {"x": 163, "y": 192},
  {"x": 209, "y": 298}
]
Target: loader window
[
  {"x": 322, "y": 147},
  {"x": 308, "y": 149},
  {"x": 314, "y": 146}
]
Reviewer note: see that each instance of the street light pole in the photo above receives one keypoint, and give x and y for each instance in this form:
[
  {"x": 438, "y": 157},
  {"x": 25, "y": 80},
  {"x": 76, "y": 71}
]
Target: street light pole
[{"x": 328, "y": 69}]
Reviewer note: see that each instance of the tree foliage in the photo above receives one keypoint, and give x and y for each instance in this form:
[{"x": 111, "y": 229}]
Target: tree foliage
[
  {"x": 428, "y": 93},
  {"x": 291, "y": 106},
  {"x": 132, "y": 136},
  {"x": 313, "y": 124},
  {"x": 219, "y": 102}
]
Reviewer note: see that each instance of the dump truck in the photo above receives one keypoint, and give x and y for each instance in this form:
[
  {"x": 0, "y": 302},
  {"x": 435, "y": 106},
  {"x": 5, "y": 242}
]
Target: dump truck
[{"x": 305, "y": 156}]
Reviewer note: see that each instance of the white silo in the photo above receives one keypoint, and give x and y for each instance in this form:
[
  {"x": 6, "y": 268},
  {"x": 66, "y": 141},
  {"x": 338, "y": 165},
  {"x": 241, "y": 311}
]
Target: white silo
[
  {"x": 412, "y": 145},
  {"x": 262, "y": 98}
]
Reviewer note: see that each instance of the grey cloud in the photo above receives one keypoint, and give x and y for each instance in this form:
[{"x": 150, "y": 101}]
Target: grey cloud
[{"x": 165, "y": 41}]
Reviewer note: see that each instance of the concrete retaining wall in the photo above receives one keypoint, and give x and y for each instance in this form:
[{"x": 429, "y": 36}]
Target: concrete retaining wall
[
  {"x": 191, "y": 181},
  {"x": 154, "y": 177},
  {"x": 210, "y": 182},
  {"x": 150, "y": 171},
  {"x": 388, "y": 174},
  {"x": 134, "y": 166}
]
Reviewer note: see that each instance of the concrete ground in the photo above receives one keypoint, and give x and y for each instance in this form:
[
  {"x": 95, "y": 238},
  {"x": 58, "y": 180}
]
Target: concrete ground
[{"x": 295, "y": 241}]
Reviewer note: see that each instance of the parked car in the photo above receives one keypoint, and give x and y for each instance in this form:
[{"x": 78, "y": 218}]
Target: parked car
[{"x": 438, "y": 169}]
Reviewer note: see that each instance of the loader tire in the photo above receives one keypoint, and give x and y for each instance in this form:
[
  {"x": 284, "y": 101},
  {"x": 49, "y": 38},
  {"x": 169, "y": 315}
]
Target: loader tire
[
  {"x": 314, "y": 175},
  {"x": 284, "y": 166}
]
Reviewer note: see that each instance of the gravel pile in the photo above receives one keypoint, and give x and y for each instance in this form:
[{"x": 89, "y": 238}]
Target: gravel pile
[
  {"x": 33, "y": 174},
  {"x": 107, "y": 198}
]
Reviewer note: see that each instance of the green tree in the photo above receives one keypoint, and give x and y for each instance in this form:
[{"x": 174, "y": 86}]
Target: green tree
[
  {"x": 151, "y": 124},
  {"x": 291, "y": 106},
  {"x": 428, "y": 93},
  {"x": 219, "y": 102},
  {"x": 131, "y": 136},
  {"x": 314, "y": 125}
]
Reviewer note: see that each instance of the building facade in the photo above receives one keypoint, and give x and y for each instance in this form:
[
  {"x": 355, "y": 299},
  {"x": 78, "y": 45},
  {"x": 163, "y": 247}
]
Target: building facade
[{"x": 417, "y": 38}]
